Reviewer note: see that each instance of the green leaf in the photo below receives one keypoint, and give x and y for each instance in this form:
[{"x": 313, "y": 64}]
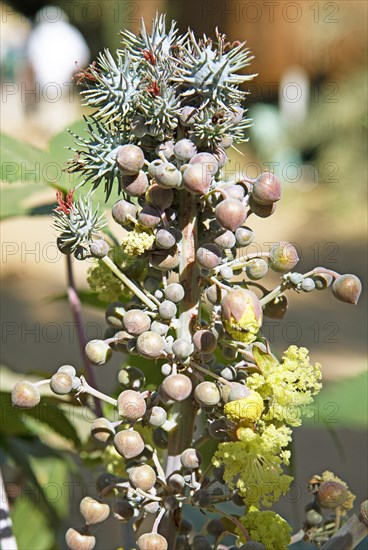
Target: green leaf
[
  {"x": 21, "y": 161},
  {"x": 26, "y": 516},
  {"x": 87, "y": 298}
]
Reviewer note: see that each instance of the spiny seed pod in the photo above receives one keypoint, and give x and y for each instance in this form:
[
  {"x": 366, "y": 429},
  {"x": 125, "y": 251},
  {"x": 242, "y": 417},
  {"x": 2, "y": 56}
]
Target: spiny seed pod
[
  {"x": 242, "y": 314},
  {"x": 231, "y": 214},
  {"x": 283, "y": 257},
  {"x": 76, "y": 541},
  {"x": 174, "y": 292},
  {"x": 122, "y": 210},
  {"x": 185, "y": 149},
  {"x": 98, "y": 352},
  {"x": 152, "y": 541},
  {"x": 266, "y": 189},
  {"x": 261, "y": 210},
  {"x": 256, "y": 269},
  {"x": 159, "y": 196},
  {"x": 143, "y": 477},
  {"x": 131, "y": 377},
  {"x": 197, "y": 179},
  {"x": 149, "y": 216},
  {"x": 160, "y": 328},
  {"x": 156, "y": 416},
  {"x": 225, "y": 239},
  {"x": 61, "y": 383},
  {"x": 244, "y": 236},
  {"x": 165, "y": 239},
  {"x": 168, "y": 176},
  {"x": 187, "y": 115},
  {"x": 102, "y": 429},
  {"x": 150, "y": 344},
  {"x": 131, "y": 405},
  {"x": 167, "y": 310},
  {"x": 165, "y": 261},
  {"x": 166, "y": 148},
  {"x": 130, "y": 159},
  {"x": 347, "y": 288},
  {"x": 99, "y": 249},
  {"x": 177, "y": 387},
  {"x": 123, "y": 511},
  {"x": 200, "y": 543},
  {"x": 176, "y": 482},
  {"x": 332, "y": 494},
  {"x": 313, "y": 518},
  {"x": 135, "y": 186},
  {"x": 115, "y": 314},
  {"x": 205, "y": 341},
  {"x": 208, "y": 161},
  {"x": 182, "y": 348},
  {"x": 136, "y": 321},
  {"x": 128, "y": 443},
  {"x": 93, "y": 511},
  {"x": 209, "y": 256},
  {"x": 190, "y": 458},
  {"x": 25, "y": 395},
  {"x": 207, "y": 394},
  {"x": 68, "y": 369},
  {"x": 235, "y": 191}
]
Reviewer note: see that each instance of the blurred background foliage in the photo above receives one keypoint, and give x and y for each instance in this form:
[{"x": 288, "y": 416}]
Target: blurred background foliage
[{"x": 309, "y": 104}]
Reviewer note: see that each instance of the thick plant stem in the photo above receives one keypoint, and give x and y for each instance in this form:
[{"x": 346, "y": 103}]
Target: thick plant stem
[
  {"x": 181, "y": 437},
  {"x": 75, "y": 307}
]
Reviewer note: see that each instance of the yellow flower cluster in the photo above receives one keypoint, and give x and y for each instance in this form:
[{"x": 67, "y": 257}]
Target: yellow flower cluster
[
  {"x": 248, "y": 409},
  {"x": 288, "y": 386},
  {"x": 268, "y": 528},
  {"x": 253, "y": 464},
  {"x": 103, "y": 281},
  {"x": 137, "y": 241}
]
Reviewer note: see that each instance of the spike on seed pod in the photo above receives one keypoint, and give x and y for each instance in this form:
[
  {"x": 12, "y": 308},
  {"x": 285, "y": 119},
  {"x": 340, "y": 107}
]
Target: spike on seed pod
[
  {"x": 177, "y": 387},
  {"x": 130, "y": 159},
  {"x": 152, "y": 541},
  {"x": 102, "y": 429},
  {"x": 190, "y": 458},
  {"x": 93, "y": 511},
  {"x": 77, "y": 541},
  {"x": 266, "y": 189},
  {"x": 347, "y": 288},
  {"x": 131, "y": 405},
  {"x": 25, "y": 395},
  {"x": 128, "y": 443},
  {"x": 136, "y": 321},
  {"x": 283, "y": 257},
  {"x": 231, "y": 214},
  {"x": 135, "y": 186},
  {"x": 61, "y": 383},
  {"x": 242, "y": 314}
]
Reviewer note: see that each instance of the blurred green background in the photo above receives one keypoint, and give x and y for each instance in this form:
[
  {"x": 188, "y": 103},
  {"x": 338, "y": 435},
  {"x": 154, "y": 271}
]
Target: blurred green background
[{"x": 309, "y": 104}]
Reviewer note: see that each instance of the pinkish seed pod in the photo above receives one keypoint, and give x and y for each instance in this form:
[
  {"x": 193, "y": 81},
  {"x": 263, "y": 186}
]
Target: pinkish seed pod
[
  {"x": 61, "y": 383},
  {"x": 135, "y": 186},
  {"x": 235, "y": 191},
  {"x": 332, "y": 494},
  {"x": 207, "y": 394},
  {"x": 197, "y": 179},
  {"x": 99, "y": 249},
  {"x": 208, "y": 161},
  {"x": 283, "y": 257},
  {"x": 165, "y": 260},
  {"x": 261, "y": 210},
  {"x": 225, "y": 239},
  {"x": 25, "y": 395},
  {"x": 209, "y": 256},
  {"x": 102, "y": 429},
  {"x": 76, "y": 541},
  {"x": 130, "y": 159},
  {"x": 93, "y": 511},
  {"x": 167, "y": 148},
  {"x": 149, "y": 216},
  {"x": 347, "y": 288},
  {"x": 266, "y": 189},
  {"x": 231, "y": 214},
  {"x": 128, "y": 443},
  {"x": 185, "y": 149},
  {"x": 131, "y": 405},
  {"x": 177, "y": 387},
  {"x": 159, "y": 196},
  {"x": 190, "y": 458},
  {"x": 136, "y": 321},
  {"x": 150, "y": 344},
  {"x": 98, "y": 352},
  {"x": 168, "y": 176},
  {"x": 205, "y": 341}
]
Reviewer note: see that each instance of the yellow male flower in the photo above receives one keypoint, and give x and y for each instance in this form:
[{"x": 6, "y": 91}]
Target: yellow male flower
[
  {"x": 137, "y": 241},
  {"x": 248, "y": 409},
  {"x": 268, "y": 528}
]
